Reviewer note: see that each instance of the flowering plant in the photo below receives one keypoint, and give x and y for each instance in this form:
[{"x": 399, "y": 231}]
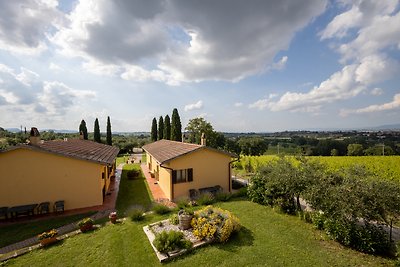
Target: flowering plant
[
  {"x": 86, "y": 221},
  {"x": 48, "y": 234}
]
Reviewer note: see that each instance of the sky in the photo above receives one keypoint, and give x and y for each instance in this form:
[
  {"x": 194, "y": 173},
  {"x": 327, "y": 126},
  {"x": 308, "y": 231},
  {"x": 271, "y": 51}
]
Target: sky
[{"x": 244, "y": 66}]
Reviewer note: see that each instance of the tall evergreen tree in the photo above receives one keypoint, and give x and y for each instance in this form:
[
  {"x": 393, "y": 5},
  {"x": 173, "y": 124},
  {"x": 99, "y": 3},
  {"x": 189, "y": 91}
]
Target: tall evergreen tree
[
  {"x": 83, "y": 130},
  {"x": 160, "y": 128},
  {"x": 154, "y": 130},
  {"x": 109, "y": 134},
  {"x": 176, "y": 126},
  {"x": 167, "y": 128},
  {"x": 97, "y": 136}
]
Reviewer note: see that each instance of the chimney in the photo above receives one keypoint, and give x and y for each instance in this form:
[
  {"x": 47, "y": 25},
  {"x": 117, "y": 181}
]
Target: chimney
[
  {"x": 81, "y": 135},
  {"x": 203, "y": 139},
  {"x": 34, "y": 136}
]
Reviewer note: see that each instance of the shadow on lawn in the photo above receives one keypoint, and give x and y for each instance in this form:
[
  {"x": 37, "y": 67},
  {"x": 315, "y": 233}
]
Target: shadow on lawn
[
  {"x": 242, "y": 238},
  {"x": 132, "y": 192}
]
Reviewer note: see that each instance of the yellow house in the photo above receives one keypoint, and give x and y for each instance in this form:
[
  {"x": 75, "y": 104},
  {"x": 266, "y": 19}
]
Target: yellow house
[
  {"x": 185, "y": 170},
  {"x": 73, "y": 170}
]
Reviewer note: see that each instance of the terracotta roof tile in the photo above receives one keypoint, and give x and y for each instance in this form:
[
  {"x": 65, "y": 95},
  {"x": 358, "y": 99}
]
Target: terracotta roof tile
[
  {"x": 76, "y": 148},
  {"x": 166, "y": 150}
]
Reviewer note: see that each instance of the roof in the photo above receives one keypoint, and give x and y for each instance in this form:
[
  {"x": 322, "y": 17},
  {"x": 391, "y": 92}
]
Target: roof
[
  {"x": 76, "y": 148},
  {"x": 166, "y": 150}
]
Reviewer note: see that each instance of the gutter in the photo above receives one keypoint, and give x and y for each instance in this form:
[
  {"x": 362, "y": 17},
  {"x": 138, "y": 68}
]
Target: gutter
[{"x": 229, "y": 171}]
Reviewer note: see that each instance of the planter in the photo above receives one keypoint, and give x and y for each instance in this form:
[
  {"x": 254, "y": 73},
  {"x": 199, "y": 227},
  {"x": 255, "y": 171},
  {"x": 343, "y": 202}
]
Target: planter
[
  {"x": 48, "y": 241},
  {"x": 184, "y": 220},
  {"x": 86, "y": 227}
]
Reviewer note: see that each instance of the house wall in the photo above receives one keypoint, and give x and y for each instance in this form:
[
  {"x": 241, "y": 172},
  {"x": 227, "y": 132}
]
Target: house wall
[
  {"x": 161, "y": 174},
  {"x": 29, "y": 176},
  {"x": 210, "y": 168}
]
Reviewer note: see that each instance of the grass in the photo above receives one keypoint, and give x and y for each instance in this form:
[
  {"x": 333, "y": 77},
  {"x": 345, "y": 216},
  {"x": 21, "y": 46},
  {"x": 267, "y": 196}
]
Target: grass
[
  {"x": 17, "y": 232},
  {"x": 267, "y": 238},
  {"x": 132, "y": 192},
  {"x": 144, "y": 157}
]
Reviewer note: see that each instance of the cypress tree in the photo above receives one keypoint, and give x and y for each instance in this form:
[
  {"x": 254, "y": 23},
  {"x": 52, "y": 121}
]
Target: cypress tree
[
  {"x": 176, "y": 126},
  {"x": 97, "y": 136},
  {"x": 167, "y": 128},
  {"x": 83, "y": 130},
  {"x": 154, "y": 130},
  {"x": 109, "y": 134},
  {"x": 160, "y": 128}
]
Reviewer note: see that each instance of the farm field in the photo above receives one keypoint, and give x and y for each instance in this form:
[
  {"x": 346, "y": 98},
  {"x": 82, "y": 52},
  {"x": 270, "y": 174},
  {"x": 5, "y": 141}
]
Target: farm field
[{"x": 386, "y": 167}]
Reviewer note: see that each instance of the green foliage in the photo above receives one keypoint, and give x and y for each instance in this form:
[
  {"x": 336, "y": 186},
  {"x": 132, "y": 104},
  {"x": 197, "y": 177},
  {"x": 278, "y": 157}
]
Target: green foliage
[
  {"x": 253, "y": 146},
  {"x": 222, "y": 197},
  {"x": 97, "y": 136},
  {"x": 354, "y": 150},
  {"x": 85, "y": 221},
  {"x": 176, "y": 126},
  {"x": 242, "y": 192},
  {"x": 174, "y": 219},
  {"x": 161, "y": 209},
  {"x": 83, "y": 130},
  {"x": 136, "y": 213},
  {"x": 214, "y": 223},
  {"x": 169, "y": 241},
  {"x": 160, "y": 128},
  {"x": 153, "y": 133},
  {"x": 205, "y": 199},
  {"x": 167, "y": 128},
  {"x": 182, "y": 203},
  {"x": 48, "y": 234},
  {"x": 109, "y": 134}
]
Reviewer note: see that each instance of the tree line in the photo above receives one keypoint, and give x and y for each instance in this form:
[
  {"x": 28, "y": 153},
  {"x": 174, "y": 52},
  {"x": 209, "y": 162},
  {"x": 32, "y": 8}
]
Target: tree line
[
  {"x": 96, "y": 132},
  {"x": 169, "y": 129}
]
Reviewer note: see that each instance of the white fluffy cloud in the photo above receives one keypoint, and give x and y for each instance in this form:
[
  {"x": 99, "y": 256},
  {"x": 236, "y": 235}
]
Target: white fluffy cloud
[
  {"x": 194, "y": 106},
  {"x": 174, "y": 42},
  {"x": 395, "y": 104},
  {"x": 378, "y": 30},
  {"x": 25, "y": 25},
  {"x": 376, "y": 91}
]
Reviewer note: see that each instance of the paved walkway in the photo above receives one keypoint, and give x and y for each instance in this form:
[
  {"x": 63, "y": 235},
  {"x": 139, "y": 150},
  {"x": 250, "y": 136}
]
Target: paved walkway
[
  {"x": 103, "y": 211},
  {"x": 156, "y": 191}
]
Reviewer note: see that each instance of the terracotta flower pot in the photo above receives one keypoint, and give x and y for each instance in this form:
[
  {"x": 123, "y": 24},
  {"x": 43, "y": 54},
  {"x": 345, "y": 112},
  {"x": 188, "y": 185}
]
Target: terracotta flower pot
[
  {"x": 86, "y": 227},
  {"x": 47, "y": 241},
  {"x": 113, "y": 217}
]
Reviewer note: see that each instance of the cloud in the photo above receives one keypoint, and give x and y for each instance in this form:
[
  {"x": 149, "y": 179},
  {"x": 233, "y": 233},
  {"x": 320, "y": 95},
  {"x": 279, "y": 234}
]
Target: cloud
[
  {"x": 395, "y": 104},
  {"x": 55, "y": 67},
  {"x": 238, "y": 104},
  {"x": 370, "y": 28},
  {"x": 194, "y": 106},
  {"x": 376, "y": 91},
  {"x": 263, "y": 103},
  {"x": 26, "y": 24},
  {"x": 173, "y": 42}
]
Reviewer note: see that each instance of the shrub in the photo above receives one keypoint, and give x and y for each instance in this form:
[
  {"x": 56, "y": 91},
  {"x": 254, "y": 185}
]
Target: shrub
[
  {"x": 136, "y": 213},
  {"x": 174, "y": 219},
  {"x": 306, "y": 216},
  {"x": 182, "y": 203},
  {"x": 318, "y": 220},
  {"x": 242, "y": 192},
  {"x": 223, "y": 197},
  {"x": 132, "y": 174},
  {"x": 169, "y": 241},
  {"x": 48, "y": 234},
  {"x": 161, "y": 209},
  {"x": 205, "y": 199},
  {"x": 214, "y": 223}
]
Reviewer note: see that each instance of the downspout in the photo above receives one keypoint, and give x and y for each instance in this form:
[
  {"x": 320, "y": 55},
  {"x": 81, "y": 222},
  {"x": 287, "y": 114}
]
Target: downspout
[
  {"x": 229, "y": 171},
  {"x": 172, "y": 185}
]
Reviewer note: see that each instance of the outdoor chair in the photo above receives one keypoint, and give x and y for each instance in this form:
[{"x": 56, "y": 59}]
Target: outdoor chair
[
  {"x": 43, "y": 207},
  {"x": 4, "y": 212},
  {"x": 59, "y": 206}
]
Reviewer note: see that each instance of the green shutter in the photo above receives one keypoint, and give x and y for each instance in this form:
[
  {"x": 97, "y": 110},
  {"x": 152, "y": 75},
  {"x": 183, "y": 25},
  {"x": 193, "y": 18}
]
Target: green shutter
[
  {"x": 190, "y": 175},
  {"x": 173, "y": 177}
]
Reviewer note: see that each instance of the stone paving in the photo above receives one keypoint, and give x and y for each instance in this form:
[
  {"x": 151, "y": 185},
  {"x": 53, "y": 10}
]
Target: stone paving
[{"x": 103, "y": 211}]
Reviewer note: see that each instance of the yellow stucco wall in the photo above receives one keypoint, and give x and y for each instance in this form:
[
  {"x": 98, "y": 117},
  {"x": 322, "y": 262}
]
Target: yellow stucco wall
[
  {"x": 33, "y": 176},
  {"x": 210, "y": 168}
]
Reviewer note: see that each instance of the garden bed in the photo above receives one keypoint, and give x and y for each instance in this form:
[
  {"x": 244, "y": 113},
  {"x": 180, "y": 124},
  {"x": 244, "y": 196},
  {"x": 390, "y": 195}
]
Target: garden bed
[{"x": 165, "y": 225}]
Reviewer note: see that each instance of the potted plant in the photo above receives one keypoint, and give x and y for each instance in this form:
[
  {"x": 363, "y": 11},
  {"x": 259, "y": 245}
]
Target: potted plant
[
  {"x": 47, "y": 238},
  {"x": 185, "y": 217},
  {"x": 113, "y": 217},
  {"x": 86, "y": 224}
]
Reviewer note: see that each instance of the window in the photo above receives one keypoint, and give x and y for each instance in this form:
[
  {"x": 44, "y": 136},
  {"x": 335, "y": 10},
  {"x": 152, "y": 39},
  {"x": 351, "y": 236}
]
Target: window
[{"x": 182, "y": 176}]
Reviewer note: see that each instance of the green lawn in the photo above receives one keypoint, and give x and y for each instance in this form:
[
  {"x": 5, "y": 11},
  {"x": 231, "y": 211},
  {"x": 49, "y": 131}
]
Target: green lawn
[
  {"x": 266, "y": 239},
  {"x": 132, "y": 192},
  {"x": 17, "y": 232}
]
